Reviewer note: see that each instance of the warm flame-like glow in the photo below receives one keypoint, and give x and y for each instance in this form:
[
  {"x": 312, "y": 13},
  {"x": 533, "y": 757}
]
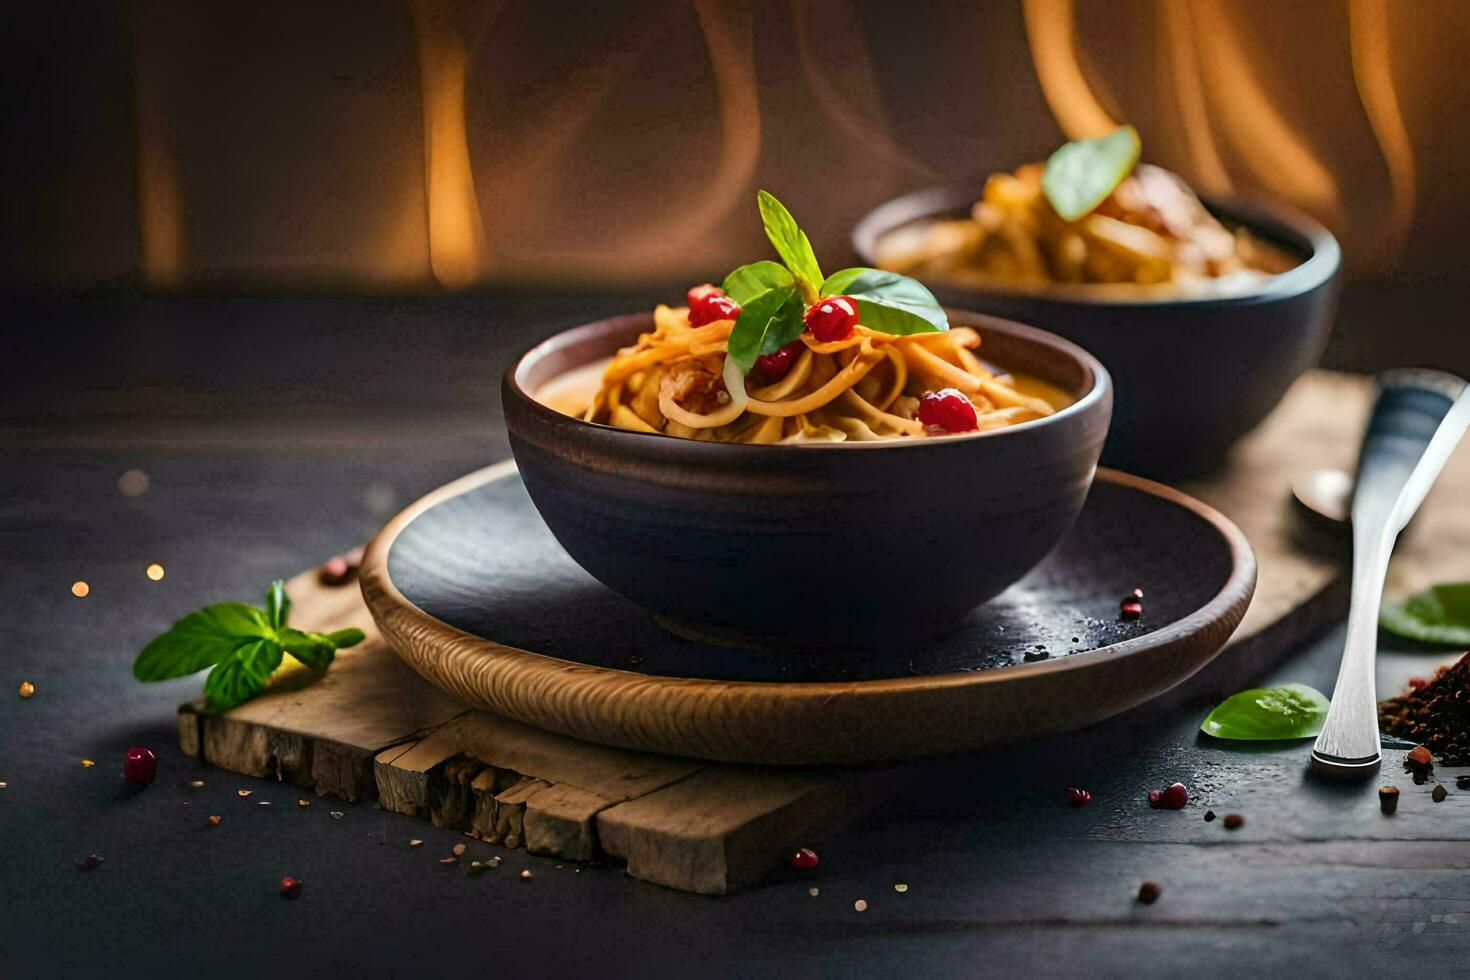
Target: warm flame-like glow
[
  {"x": 857, "y": 110},
  {"x": 1177, "y": 36},
  {"x": 1274, "y": 153},
  {"x": 458, "y": 254},
  {"x": 160, "y": 199},
  {"x": 1051, "y": 30},
  {"x": 1373, "y": 75}
]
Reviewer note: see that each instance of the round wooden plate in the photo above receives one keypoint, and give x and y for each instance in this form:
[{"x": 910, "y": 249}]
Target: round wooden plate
[{"x": 475, "y": 594}]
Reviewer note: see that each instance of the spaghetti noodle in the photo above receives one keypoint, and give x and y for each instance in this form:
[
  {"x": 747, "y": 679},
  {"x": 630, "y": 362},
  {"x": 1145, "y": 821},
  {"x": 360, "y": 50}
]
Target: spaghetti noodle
[{"x": 679, "y": 380}]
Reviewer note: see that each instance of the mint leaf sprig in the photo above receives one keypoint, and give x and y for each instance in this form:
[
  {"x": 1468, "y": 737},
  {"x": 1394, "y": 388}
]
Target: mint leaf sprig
[
  {"x": 774, "y": 297},
  {"x": 242, "y": 644},
  {"x": 1080, "y": 175}
]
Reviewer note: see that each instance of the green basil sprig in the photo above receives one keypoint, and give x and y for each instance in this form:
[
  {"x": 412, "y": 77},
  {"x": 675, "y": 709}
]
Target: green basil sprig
[
  {"x": 1266, "y": 714},
  {"x": 1440, "y": 615},
  {"x": 773, "y": 297},
  {"x": 1080, "y": 175},
  {"x": 242, "y": 644}
]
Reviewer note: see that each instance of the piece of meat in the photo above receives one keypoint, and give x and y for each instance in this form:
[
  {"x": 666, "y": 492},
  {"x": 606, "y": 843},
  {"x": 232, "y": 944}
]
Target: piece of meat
[{"x": 695, "y": 384}]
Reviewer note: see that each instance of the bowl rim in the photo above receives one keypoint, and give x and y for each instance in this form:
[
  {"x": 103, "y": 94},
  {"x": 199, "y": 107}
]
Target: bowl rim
[
  {"x": 1272, "y": 219},
  {"x": 1102, "y": 384}
]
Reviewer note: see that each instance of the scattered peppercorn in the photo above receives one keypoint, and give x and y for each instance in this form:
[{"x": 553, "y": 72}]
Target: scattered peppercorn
[
  {"x": 1149, "y": 892},
  {"x": 1439, "y": 794},
  {"x": 140, "y": 766},
  {"x": 1209, "y": 816},
  {"x": 90, "y": 863},
  {"x": 27, "y": 689},
  {"x": 1154, "y": 796},
  {"x": 290, "y": 888},
  {"x": 804, "y": 858},
  {"x": 1436, "y": 714},
  {"x": 1130, "y": 610},
  {"x": 1388, "y": 799},
  {"x": 1078, "y": 797},
  {"x": 860, "y": 905},
  {"x": 1233, "y": 821},
  {"x": 458, "y": 849}
]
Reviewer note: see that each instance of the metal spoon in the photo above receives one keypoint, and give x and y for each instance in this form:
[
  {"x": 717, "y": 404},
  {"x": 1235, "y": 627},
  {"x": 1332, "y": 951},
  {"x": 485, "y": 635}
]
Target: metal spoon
[{"x": 1416, "y": 422}]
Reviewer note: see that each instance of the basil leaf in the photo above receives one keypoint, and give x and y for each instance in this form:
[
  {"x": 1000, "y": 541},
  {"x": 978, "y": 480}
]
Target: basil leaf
[
  {"x": 202, "y": 638},
  {"x": 317, "y": 650},
  {"x": 888, "y": 302},
  {"x": 749, "y": 281},
  {"x": 766, "y": 323},
  {"x": 1439, "y": 615},
  {"x": 277, "y": 604},
  {"x": 242, "y": 675},
  {"x": 1080, "y": 175},
  {"x": 1269, "y": 714},
  {"x": 791, "y": 243}
]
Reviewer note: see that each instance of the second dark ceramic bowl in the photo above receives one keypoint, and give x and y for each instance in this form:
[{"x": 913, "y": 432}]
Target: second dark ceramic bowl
[
  {"x": 832, "y": 545},
  {"x": 1193, "y": 373}
]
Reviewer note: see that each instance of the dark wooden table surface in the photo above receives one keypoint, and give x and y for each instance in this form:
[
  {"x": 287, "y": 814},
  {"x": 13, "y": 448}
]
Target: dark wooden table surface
[{"x": 278, "y": 432}]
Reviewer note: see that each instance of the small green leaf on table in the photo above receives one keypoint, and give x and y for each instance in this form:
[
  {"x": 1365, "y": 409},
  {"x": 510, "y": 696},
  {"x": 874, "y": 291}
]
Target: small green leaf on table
[
  {"x": 1269, "y": 714},
  {"x": 1439, "y": 615},
  {"x": 243, "y": 646},
  {"x": 1080, "y": 175}
]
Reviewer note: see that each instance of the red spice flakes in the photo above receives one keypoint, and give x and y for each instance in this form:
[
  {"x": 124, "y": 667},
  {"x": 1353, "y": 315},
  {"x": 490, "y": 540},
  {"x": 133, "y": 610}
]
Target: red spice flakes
[
  {"x": 1388, "y": 799},
  {"x": 1078, "y": 797},
  {"x": 90, "y": 863},
  {"x": 1233, "y": 821},
  {"x": 449, "y": 860},
  {"x": 214, "y": 821},
  {"x": 1149, "y": 892},
  {"x": 804, "y": 858},
  {"x": 27, "y": 689},
  {"x": 1435, "y": 714},
  {"x": 1173, "y": 798},
  {"x": 291, "y": 888}
]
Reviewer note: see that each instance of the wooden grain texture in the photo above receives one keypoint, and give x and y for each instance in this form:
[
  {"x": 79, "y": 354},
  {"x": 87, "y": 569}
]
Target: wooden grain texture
[
  {"x": 321, "y": 731},
  {"x": 709, "y": 827},
  {"x": 831, "y": 722}
]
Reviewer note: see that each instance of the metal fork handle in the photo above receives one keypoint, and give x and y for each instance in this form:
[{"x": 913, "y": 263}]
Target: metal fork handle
[{"x": 1416, "y": 422}]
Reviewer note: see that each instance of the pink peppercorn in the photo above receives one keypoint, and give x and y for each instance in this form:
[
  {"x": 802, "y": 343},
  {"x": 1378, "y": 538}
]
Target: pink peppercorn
[{"x": 140, "y": 766}]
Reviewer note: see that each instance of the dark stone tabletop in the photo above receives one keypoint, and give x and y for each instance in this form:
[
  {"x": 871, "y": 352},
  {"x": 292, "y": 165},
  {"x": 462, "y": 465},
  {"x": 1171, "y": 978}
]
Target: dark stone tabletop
[{"x": 276, "y": 433}]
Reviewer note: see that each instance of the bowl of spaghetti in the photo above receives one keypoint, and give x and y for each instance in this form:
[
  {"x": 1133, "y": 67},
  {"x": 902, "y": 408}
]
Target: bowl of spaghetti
[
  {"x": 1204, "y": 308},
  {"x": 815, "y": 513}
]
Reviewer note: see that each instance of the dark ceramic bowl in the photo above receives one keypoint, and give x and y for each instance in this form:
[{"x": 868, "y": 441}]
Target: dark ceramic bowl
[
  {"x": 845, "y": 544},
  {"x": 1193, "y": 373}
]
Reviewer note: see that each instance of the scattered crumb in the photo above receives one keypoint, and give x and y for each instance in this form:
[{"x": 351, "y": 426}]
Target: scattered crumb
[{"x": 900, "y": 888}]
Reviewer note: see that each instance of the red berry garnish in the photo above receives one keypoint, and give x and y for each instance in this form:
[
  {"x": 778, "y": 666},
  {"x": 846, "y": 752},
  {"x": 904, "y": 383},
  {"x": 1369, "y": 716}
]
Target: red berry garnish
[
  {"x": 832, "y": 319},
  {"x": 804, "y": 858},
  {"x": 140, "y": 766},
  {"x": 1130, "y": 609},
  {"x": 773, "y": 367},
  {"x": 290, "y": 887},
  {"x": 1078, "y": 797},
  {"x": 697, "y": 293},
  {"x": 947, "y": 410},
  {"x": 1149, "y": 892},
  {"x": 711, "y": 304},
  {"x": 1172, "y": 798}
]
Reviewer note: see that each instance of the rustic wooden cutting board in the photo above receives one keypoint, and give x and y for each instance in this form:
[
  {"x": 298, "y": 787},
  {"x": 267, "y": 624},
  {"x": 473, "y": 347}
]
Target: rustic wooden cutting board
[{"x": 373, "y": 728}]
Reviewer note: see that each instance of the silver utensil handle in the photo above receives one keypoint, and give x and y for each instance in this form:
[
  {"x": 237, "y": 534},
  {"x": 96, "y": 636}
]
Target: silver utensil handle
[{"x": 1418, "y": 419}]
